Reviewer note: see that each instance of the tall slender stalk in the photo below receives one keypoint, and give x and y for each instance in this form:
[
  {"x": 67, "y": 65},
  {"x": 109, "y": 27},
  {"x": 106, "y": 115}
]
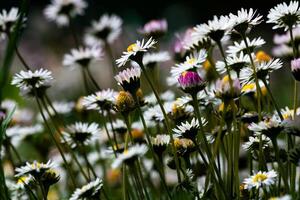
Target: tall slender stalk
[
  {"x": 165, "y": 117},
  {"x": 157, "y": 163},
  {"x": 54, "y": 140}
]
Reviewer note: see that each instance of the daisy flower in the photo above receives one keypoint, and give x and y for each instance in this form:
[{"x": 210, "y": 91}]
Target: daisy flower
[
  {"x": 260, "y": 179},
  {"x": 7, "y": 21},
  {"x": 83, "y": 56},
  {"x": 194, "y": 40},
  {"x": 241, "y": 47},
  {"x": 35, "y": 169},
  {"x": 160, "y": 141},
  {"x": 151, "y": 59},
  {"x": 80, "y": 133},
  {"x": 285, "y": 16},
  {"x": 90, "y": 191},
  {"x": 130, "y": 155},
  {"x": 253, "y": 143},
  {"x": 270, "y": 127},
  {"x": 191, "y": 82},
  {"x": 17, "y": 133},
  {"x": 263, "y": 69},
  {"x": 214, "y": 29},
  {"x": 106, "y": 30},
  {"x": 135, "y": 51},
  {"x": 103, "y": 99},
  {"x": 31, "y": 80},
  {"x": 223, "y": 87},
  {"x": 119, "y": 126},
  {"x": 188, "y": 129},
  {"x": 129, "y": 79},
  {"x": 244, "y": 20},
  {"x": 154, "y": 28},
  {"x": 234, "y": 61},
  {"x": 60, "y": 11},
  {"x": 193, "y": 61}
]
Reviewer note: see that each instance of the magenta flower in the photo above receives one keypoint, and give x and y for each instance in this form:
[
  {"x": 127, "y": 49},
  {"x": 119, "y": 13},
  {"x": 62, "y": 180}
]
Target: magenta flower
[{"x": 191, "y": 82}]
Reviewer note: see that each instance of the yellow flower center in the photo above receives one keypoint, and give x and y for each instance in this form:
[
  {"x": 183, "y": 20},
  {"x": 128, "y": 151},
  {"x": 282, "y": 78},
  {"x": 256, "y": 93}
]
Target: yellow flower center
[
  {"x": 136, "y": 133},
  {"x": 207, "y": 66},
  {"x": 259, "y": 178},
  {"x": 191, "y": 61},
  {"x": 22, "y": 179},
  {"x": 221, "y": 107},
  {"x": 248, "y": 87},
  {"x": 225, "y": 79},
  {"x": 113, "y": 176},
  {"x": 184, "y": 73},
  {"x": 262, "y": 56},
  {"x": 131, "y": 47}
]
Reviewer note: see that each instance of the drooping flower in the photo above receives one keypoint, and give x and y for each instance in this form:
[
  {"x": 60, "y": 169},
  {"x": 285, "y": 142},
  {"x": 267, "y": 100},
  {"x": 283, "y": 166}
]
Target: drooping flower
[
  {"x": 285, "y": 16},
  {"x": 83, "y": 56},
  {"x": 80, "y": 133},
  {"x": 130, "y": 155},
  {"x": 60, "y": 11},
  {"x": 7, "y": 21},
  {"x": 104, "y": 31},
  {"x": 90, "y": 191},
  {"x": 31, "y": 82},
  {"x": 103, "y": 99},
  {"x": 129, "y": 79},
  {"x": 35, "y": 169}
]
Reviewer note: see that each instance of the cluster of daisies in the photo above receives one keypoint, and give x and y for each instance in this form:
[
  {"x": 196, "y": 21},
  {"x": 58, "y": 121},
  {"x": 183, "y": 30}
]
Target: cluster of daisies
[{"x": 210, "y": 129}]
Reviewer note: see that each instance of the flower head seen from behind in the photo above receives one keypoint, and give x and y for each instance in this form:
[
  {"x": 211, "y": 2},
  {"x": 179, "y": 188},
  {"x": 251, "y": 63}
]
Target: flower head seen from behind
[
  {"x": 285, "y": 16},
  {"x": 83, "y": 56},
  {"x": 129, "y": 155},
  {"x": 80, "y": 133},
  {"x": 35, "y": 169},
  {"x": 129, "y": 79},
  {"x": 60, "y": 11},
  {"x": 8, "y": 20},
  {"x": 90, "y": 191},
  {"x": 260, "y": 180},
  {"x": 104, "y": 31},
  {"x": 244, "y": 20},
  {"x": 155, "y": 28},
  {"x": 136, "y": 51},
  {"x": 101, "y": 100},
  {"x": 263, "y": 69},
  {"x": 32, "y": 81},
  {"x": 188, "y": 129},
  {"x": 214, "y": 29}
]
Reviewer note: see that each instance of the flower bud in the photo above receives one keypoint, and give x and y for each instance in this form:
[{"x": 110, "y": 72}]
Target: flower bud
[
  {"x": 125, "y": 102},
  {"x": 295, "y": 67},
  {"x": 191, "y": 82}
]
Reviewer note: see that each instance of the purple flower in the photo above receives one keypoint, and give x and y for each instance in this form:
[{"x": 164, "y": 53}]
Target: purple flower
[
  {"x": 191, "y": 82},
  {"x": 295, "y": 67},
  {"x": 155, "y": 28}
]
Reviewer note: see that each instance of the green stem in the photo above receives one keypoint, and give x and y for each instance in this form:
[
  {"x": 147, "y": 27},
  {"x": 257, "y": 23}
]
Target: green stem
[
  {"x": 165, "y": 117},
  {"x": 56, "y": 126},
  {"x": 273, "y": 99},
  {"x": 157, "y": 163},
  {"x": 54, "y": 140},
  {"x": 204, "y": 140},
  {"x": 255, "y": 77}
]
